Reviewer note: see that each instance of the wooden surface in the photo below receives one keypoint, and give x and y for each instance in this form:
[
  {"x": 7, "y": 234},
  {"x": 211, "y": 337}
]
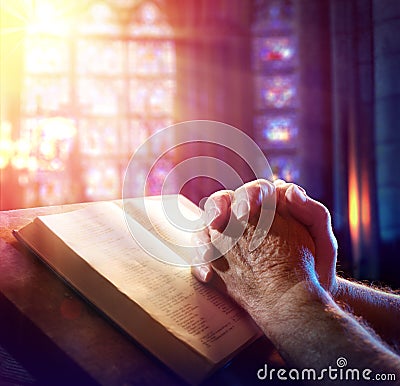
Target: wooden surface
[{"x": 61, "y": 339}]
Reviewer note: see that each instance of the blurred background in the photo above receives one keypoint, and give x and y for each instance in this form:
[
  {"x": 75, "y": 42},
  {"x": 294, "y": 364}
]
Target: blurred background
[{"x": 314, "y": 82}]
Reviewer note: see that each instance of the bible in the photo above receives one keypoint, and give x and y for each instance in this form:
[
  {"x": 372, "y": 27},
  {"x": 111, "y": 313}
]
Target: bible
[{"x": 189, "y": 326}]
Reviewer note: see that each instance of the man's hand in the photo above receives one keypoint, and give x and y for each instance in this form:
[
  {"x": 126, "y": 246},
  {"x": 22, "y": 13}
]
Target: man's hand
[
  {"x": 280, "y": 282},
  {"x": 290, "y": 200},
  {"x": 316, "y": 218},
  {"x": 258, "y": 278}
]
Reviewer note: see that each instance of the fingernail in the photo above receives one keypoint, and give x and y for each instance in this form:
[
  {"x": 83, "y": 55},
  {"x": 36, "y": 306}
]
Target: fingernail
[
  {"x": 279, "y": 181},
  {"x": 211, "y": 214},
  {"x": 201, "y": 250},
  {"x": 204, "y": 273},
  {"x": 267, "y": 196},
  {"x": 241, "y": 210},
  {"x": 296, "y": 195}
]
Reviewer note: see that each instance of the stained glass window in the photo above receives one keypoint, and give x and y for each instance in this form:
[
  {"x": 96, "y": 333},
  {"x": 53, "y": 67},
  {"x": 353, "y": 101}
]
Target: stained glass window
[
  {"x": 274, "y": 52},
  {"x": 150, "y": 97},
  {"x": 111, "y": 71},
  {"x": 278, "y": 131},
  {"x": 100, "y": 19},
  {"x": 285, "y": 166},
  {"x": 96, "y": 57},
  {"x": 100, "y": 96},
  {"x": 46, "y": 55},
  {"x": 149, "y": 21},
  {"x": 52, "y": 188},
  {"x": 101, "y": 137},
  {"x": 276, "y": 91},
  {"x": 157, "y": 178},
  {"x": 136, "y": 135},
  {"x": 275, "y": 83},
  {"x": 151, "y": 58},
  {"x": 45, "y": 94},
  {"x": 274, "y": 16},
  {"x": 102, "y": 179}
]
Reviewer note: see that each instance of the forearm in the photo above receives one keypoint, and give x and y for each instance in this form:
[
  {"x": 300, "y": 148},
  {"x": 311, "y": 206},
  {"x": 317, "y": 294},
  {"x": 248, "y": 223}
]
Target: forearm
[
  {"x": 311, "y": 331},
  {"x": 380, "y": 309}
]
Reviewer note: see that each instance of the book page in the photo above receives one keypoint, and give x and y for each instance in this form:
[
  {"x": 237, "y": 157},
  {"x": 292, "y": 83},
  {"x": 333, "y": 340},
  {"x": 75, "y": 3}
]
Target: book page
[
  {"x": 172, "y": 219},
  {"x": 192, "y": 311}
]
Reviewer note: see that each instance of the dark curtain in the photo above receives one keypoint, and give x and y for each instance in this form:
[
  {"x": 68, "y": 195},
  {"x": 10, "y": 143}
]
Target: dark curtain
[
  {"x": 366, "y": 141},
  {"x": 353, "y": 139}
]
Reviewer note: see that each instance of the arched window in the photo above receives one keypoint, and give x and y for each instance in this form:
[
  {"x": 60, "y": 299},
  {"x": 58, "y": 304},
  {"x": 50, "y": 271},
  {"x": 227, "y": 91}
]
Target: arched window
[
  {"x": 109, "y": 73},
  {"x": 275, "y": 84}
]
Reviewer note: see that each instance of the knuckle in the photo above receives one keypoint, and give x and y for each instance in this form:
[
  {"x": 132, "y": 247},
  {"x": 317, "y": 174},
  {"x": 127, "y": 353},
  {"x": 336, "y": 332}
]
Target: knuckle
[
  {"x": 323, "y": 214},
  {"x": 334, "y": 242}
]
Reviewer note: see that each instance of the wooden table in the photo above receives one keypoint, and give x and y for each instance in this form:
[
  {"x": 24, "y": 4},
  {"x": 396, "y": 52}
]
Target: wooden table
[{"x": 60, "y": 339}]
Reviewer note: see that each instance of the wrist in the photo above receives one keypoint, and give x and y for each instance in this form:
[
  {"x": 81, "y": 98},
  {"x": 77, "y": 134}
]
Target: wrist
[
  {"x": 292, "y": 309},
  {"x": 339, "y": 289},
  {"x": 295, "y": 322},
  {"x": 334, "y": 287}
]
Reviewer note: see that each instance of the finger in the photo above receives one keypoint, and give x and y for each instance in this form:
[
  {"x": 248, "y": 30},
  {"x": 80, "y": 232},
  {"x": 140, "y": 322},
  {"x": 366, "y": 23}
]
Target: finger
[
  {"x": 202, "y": 247},
  {"x": 203, "y": 273},
  {"x": 281, "y": 188},
  {"x": 203, "y": 254},
  {"x": 283, "y": 184},
  {"x": 217, "y": 209},
  {"x": 251, "y": 198},
  {"x": 310, "y": 212},
  {"x": 279, "y": 182},
  {"x": 316, "y": 217}
]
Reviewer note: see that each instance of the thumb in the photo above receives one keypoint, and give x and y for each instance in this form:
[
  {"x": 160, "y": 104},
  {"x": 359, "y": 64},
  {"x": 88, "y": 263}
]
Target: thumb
[{"x": 317, "y": 219}]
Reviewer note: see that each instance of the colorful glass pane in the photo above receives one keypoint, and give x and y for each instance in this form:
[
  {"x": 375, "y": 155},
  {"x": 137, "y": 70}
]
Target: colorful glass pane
[
  {"x": 45, "y": 144},
  {"x": 151, "y": 97},
  {"x": 279, "y": 10},
  {"x": 56, "y": 128},
  {"x": 99, "y": 136},
  {"x": 285, "y": 167},
  {"x": 103, "y": 180},
  {"x": 160, "y": 143},
  {"x": 148, "y": 21},
  {"x": 141, "y": 129},
  {"x": 125, "y": 149},
  {"x": 151, "y": 58},
  {"x": 276, "y": 131},
  {"x": 137, "y": 135},
  {"x": 100, "y": 57},
  {"x": 134, "y": 179},
  {"x": 100, "y": 20},
  {"x": 156, "y": 182},
  {"x": 100, "y": 96},
  {"x": 52, "y": 188},
  {"x": 155, "y": 125},
  {"x": 274, "y": 53},
  {"x": 43, "y": 94},
  {"x": 276, "y": 92},
  {"x": 44, "y": 55},
  {"x": 28, "y": 129},
  {"x": 275, "y": 15}
]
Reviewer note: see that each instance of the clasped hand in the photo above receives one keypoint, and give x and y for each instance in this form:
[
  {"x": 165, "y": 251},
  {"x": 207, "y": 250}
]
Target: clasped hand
[{"x": 298, "y": 248}]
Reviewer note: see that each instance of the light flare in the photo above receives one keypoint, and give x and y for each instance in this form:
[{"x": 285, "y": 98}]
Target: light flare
[{"x": 354, "y": 205}]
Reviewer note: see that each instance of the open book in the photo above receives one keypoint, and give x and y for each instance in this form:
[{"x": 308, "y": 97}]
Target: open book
[{"x": 189, "y": 326}]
